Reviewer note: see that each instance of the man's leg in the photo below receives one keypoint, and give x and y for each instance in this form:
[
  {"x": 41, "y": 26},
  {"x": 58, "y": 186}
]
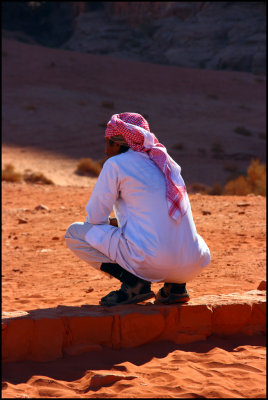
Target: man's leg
[
  {"x": 75, "y": 240},
  {"x": 133, "y": 289},
  {"x": 121, "y": 274}
]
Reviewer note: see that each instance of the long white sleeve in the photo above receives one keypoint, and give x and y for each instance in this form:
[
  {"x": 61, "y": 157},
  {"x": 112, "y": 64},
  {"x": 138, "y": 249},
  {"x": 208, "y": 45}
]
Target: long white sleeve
[{"x": 104, "y": 195}]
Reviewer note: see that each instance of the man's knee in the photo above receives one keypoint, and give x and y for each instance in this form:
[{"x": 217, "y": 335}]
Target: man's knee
[
  {"x": 71, "y": 232},
  {"x": 77, "y": 230}
]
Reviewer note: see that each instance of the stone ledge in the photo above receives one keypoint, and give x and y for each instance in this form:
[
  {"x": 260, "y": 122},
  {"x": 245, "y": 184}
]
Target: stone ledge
[{"x": 48, "y": 334}]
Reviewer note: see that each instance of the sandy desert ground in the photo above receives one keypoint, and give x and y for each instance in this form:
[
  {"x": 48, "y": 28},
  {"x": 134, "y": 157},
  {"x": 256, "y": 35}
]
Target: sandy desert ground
[
  {"x": 40, "y": 272},
  {"x": 47, "y": 111},
  {"x": 60, "y": 101}
]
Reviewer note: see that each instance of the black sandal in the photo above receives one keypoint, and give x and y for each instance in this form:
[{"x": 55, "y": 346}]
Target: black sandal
[
  {"x": 128, "y": 295},
  {"x": 172, "y": 293}
]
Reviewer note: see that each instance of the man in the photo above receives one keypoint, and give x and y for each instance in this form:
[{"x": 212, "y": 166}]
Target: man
[{"x": 153, "y": 237}]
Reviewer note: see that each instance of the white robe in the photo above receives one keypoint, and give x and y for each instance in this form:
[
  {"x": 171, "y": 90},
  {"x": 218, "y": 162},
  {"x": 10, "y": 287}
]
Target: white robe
[{"x": 148, "y": 242}]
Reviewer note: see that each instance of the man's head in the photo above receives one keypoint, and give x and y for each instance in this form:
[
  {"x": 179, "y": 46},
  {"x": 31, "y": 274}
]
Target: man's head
[
  {"x": 114, "y": 147},
  {"x": 128, "y": 130}
]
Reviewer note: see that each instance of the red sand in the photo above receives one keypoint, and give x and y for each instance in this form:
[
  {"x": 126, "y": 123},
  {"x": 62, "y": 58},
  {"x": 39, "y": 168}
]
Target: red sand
[
  {"x": 50, "y": 106},
  {"x": 40, "y": 272}
]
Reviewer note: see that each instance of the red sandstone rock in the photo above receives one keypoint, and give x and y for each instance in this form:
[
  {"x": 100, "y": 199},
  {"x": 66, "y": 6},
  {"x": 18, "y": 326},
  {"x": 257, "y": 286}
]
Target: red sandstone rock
[
  {"x": 46, "y": 340},
  {"x": 228, "y": 319},
  {"x": 91, "y": 329},
  {"x": 262, "y": 285},
  {"x": 195, "y": 319},
  {"x": 140, "y": 328},
  {"x": 258, "y": 318},
  {"x": 16, "y": 339},
  {"x": 44, "y": 335}
]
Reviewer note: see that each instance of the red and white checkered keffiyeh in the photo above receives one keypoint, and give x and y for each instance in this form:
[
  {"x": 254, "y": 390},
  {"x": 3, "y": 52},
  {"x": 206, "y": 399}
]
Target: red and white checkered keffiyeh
[{"x": 136, "y": 132}]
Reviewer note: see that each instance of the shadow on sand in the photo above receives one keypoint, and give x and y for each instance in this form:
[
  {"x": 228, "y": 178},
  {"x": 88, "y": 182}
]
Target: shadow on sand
[{"x": 71, "y": 368}]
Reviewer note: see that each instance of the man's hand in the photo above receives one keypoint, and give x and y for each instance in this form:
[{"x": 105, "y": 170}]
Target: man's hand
[{"x": 113, "y": 221}]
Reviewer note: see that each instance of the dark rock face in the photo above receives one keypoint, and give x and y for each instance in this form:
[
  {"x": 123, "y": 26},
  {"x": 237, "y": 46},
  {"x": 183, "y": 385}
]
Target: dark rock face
[
  {"x": 48, "y": 23},
  {"x": 204, "y": 35},
  {"x": 210, "y": 35}
]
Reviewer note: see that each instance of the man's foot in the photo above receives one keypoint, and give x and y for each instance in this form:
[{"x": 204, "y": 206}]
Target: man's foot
[
  {"x": 127, "y": 295},
  {"x": 172, "y": 293}
]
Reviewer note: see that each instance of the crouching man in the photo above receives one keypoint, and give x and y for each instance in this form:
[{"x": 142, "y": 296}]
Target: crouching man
[{"x": 153, "y": 237}]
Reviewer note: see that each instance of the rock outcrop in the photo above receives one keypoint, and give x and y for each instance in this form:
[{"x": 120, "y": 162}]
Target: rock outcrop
[
  {"x": 48, "y": 334},
  {"x": 47, "y": 23},
  {"x": 204, "y": 35}
]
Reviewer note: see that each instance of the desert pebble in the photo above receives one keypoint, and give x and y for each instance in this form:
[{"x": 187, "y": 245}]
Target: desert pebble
[
  {"x": 206, "y": 212},
  {"x": 22, "y": 221},
  {"x": 41, "y": 207},
  {"x": 262, "y": 285}
]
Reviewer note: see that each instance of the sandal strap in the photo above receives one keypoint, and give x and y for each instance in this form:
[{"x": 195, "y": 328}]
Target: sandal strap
[
  {"x": 127, "y": 295},
  {"x": 166, "y": 296}
]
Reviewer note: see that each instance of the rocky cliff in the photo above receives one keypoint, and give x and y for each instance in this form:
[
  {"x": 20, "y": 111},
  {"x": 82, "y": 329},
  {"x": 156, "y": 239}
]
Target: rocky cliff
[{"x": 205, "y": 35}]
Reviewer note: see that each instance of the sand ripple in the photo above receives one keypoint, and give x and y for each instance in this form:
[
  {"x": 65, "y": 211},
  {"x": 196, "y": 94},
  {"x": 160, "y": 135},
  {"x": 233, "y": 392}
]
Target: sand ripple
[{"x": 217, "y": 368}]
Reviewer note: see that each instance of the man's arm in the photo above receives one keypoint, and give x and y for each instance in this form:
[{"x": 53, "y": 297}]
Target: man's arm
[{"x": 104, "y": 195}]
